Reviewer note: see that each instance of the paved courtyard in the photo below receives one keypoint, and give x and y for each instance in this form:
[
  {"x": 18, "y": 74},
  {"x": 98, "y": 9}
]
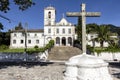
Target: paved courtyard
[{"x": 47, "y": 71}]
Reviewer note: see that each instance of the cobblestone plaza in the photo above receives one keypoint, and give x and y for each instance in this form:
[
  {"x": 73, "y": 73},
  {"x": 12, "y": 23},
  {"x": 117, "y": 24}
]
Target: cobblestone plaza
[{"x": 41, "y": 72}]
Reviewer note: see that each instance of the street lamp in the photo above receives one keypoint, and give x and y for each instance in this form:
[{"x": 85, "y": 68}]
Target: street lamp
[
  {"x": 25, "y": 34},
  {"x": 26, "y": 37}
]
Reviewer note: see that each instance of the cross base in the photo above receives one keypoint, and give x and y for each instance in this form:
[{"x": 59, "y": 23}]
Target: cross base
[{"x": 86, "y": 67}]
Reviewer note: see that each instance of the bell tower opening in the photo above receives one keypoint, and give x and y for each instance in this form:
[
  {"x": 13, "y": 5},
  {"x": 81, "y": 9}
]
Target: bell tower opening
[{"x": 49, "y": 16}]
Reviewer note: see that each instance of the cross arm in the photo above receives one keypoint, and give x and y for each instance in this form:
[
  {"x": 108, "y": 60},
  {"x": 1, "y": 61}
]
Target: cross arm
[
  {"x": 93, "y": 14},
  {"x": 73, "y": 14},
  {"x": 88, "y": 14}
]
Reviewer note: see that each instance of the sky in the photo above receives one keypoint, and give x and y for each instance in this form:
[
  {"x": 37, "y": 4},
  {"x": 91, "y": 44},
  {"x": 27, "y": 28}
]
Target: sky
[{"x": 34, "y": 16}]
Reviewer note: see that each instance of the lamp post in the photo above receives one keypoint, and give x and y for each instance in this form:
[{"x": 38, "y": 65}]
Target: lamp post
[
  {"x": 25, "y": 33},
  {"x": 26, "y": 37}
]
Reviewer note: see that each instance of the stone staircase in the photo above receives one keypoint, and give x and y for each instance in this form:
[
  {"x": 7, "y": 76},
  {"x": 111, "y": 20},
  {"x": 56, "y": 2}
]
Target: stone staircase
[{"x": 63, "y": 53}]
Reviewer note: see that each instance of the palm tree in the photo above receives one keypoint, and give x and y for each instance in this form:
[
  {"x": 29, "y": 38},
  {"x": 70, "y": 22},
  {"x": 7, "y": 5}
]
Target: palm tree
[
  {"x": 1, "y": 28},
  {"x": 103, "y": 34}
]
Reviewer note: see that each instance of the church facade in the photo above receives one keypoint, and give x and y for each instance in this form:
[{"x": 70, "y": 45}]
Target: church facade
[{"x": 63, "y": 32}]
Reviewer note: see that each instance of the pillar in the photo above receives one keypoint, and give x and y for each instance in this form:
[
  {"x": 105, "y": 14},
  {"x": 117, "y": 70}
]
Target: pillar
[
  {"x": 60, "y": 41},
  {"x": 66, "y": 41}
]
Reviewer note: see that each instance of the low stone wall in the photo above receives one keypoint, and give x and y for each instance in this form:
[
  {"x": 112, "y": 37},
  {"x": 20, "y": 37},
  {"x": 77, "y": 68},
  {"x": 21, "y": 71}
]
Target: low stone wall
[
  {"x": 23, "y": 57},
  {"x": 109, "y": 56}
]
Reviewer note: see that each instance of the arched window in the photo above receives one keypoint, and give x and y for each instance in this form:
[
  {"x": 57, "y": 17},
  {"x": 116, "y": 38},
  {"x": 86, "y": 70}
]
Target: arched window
[
  {"x": 57, "y": 40},
  {"x": 49, "y": 14}
]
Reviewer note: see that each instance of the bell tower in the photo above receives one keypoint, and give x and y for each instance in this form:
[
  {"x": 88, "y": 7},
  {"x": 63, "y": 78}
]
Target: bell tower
[{"x": 49, "y": 16}]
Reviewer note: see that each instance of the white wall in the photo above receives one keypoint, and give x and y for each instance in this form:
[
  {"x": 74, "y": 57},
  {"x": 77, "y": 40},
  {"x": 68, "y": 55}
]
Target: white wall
[
  {"x": 54, "y": 28},
  {"x": 32, "y": 37},
  {"x": 96, "y": 44},
  {"x": 109, "y": 55},
  {"x": 54, "y": 33}
]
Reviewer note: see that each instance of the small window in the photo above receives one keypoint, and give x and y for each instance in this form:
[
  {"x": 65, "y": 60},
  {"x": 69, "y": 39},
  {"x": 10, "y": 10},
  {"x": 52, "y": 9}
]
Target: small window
[
  {"x": 22, "y": 34},
  {"x": 69, "y": 31},
  {"x": 92, "y": 37},
  {"x": 57, "y": 31},
  {"x": 35, "y": 34},
  {"x": 63, "y": 31},
  {"x": 49, "y": 30},
  {"x": 42, "y": 34},
  {"x": 21, "y": 41},
  {"x": 37, "y": 41},
  {"x": 14, "y": 41},
  {"x": 29, "y": 41},
  {"x": 28, "y": 34},
  {"x": 15, "y": 35}
]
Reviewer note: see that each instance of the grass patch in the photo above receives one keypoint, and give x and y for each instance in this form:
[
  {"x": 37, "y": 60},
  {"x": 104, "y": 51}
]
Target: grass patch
[
  {"x": 36, "y": 49},
  {"x": 12, "y": 50},
  {"x": 107, "y": 49}
]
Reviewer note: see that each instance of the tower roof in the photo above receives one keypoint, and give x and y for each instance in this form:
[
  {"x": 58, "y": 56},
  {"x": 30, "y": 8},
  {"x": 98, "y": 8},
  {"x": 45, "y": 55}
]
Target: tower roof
[
  {"x": 50, "y": 8},
  {"x": 64, "y": 22}
]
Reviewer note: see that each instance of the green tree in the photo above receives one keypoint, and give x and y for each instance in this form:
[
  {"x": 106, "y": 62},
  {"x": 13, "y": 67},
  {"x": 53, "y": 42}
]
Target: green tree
[
  {"x": 22, "y": 4},
  {"x": 1, "y": 35},
  {"x": 78, "y": 30},
  {"x": 103, "y": 34},
  {"x": 1, "y": 26},
  {"x": 19, "y": 27},
  {"x": 1, "y": 38},
  {"x": 6, "y": 39},
  {"x": 90, "y": 28}
]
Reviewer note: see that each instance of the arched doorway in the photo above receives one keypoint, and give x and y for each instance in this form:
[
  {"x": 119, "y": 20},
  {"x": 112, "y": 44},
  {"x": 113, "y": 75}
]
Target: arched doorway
[
  {"x": 64, "y": 41},
  {"x": 57, "y": 41},
  {"x": 70, "y": 41}
]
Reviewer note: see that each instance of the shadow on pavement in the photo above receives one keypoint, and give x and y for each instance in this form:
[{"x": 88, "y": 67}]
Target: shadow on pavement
[
  {"x": 115, "y": 65},
  {"x": 24, "y": 64}
]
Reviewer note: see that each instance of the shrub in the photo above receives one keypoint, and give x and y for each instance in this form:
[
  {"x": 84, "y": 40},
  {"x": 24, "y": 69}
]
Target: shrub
[
  {"x": 4, "y": 47},
  {"x": 37, "y": 50},
  {"x": 90, "y": 49},
  {"x": 36, "y": 47}
]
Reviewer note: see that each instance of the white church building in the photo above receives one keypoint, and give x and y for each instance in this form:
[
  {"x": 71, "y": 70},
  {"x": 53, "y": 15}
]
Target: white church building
[{"x": 63, "y": 32}]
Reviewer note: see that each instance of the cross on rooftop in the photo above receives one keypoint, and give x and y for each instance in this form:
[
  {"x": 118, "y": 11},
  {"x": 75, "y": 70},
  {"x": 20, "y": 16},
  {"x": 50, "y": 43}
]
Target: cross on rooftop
[{"x": 83, "y": 14}]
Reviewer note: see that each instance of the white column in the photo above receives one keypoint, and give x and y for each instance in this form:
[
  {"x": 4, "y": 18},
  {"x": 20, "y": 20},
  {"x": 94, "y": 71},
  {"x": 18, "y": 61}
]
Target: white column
[
  {"x": 60, "y": 41},
  {"x": 66, "y": 41},
  {"x": 72, "y": 41}
]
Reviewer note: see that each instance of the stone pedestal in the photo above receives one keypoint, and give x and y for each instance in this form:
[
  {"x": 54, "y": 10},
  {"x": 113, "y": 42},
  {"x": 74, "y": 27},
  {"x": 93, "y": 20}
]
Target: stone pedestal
[{"x": 86, "y": 67}]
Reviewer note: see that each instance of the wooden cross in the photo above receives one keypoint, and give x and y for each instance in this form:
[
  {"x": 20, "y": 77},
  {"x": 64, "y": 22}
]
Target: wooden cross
[{"x": 83, "y": 14}]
